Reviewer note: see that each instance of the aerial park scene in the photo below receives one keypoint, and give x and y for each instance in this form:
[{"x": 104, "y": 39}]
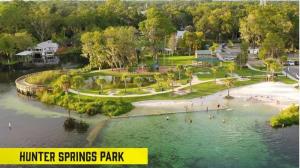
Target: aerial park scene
[{"x": 198, "y": 83}]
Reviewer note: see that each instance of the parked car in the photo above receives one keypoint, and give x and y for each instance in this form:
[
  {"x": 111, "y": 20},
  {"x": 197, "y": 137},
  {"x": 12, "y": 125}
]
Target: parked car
[{"x": 291, "y": 63}]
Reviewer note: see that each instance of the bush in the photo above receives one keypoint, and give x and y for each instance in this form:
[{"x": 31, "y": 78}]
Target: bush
[
  {"x": 69, "y": 124},
  {"x": 89, "y": 106},
  {"x": 286, "y": 117},
  {"x": 114, "y": 108},
  {"x": 93, "y": 108},
  {"x": 81, "y": 126},
  {"x": 42, "y": 78}
]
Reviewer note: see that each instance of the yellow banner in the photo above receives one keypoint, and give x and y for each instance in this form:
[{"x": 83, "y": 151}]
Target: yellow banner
[{"x": 73, "y": 156}]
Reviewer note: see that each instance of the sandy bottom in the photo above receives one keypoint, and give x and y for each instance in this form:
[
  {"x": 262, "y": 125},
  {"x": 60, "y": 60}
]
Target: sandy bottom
[{"x": 272, "y": 93}]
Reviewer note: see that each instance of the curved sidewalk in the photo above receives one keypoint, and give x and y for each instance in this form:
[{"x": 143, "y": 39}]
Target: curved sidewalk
[{"x": 195, "y": 81}]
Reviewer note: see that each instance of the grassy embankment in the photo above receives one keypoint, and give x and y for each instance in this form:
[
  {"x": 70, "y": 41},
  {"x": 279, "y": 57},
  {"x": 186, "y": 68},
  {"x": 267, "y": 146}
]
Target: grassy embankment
[{"x": 287, "y": 117}]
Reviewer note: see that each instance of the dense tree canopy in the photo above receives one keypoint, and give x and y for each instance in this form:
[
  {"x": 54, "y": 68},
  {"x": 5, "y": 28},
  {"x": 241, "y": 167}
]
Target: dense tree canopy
[{"x": 86, "y": 26}]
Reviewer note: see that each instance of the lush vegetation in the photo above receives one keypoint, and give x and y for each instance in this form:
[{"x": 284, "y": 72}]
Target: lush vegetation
[
  {"x": 43, "y": 78},
  {"x": 122, "y": 34},
  {"x": 57, "y": 95},
  {"x": 286, "y": 117}
]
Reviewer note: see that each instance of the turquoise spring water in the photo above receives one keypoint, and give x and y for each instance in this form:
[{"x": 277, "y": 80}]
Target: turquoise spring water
[{"x": 245, "y": 140}]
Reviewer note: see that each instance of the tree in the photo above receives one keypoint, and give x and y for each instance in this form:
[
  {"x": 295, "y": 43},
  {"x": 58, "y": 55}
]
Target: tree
[
  {"x": 172, "y": 43},
  {"x": 115, "y": 46},
  {"x": 124, "y": 79},
  {"x": 156, "y": 28},
  {"x": 231, "y": 67},
  {"x": 101, "y": 82},
  {"x": 42, "y": 22},
  {"x": 158, "y": 78},
  {"x": 214, "y": 71},
  {"x": 171, "y": 79},
  {"x": 138, "y": 81},
  {"x": 189, "y": 73},
  {"x": 189, "y": 38},
  {"x": 7, "y": 46},
  {"x": 242, "y": 57},
  {"x": 229, "y": 82},
  {"x": 64, "y": 82},
  {"x": 273, "y": 65},
  {"x": 272, "y": 47},
  {"x": 214, "y": 47},
  {"x": 11, "y": 43},
  {"x": 77, "y": 82},
  {"x": 264, "y": 20},
  {"x": 283, "y": 59},
  {"x": 180, "y": 69},
  {"x": 91, "y": 48}
]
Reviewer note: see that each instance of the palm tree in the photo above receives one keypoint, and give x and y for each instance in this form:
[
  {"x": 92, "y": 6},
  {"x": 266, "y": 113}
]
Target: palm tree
[
  {"x": 158, "y": 79},
  {"x": 77, "y": 82},
  {"x": 214, "y": 71},
  {"x": 272, "y": 66},
  {"x": 124, "y": 79},
  {"x": 189, "y": 73},
  {"x": 171, "y": 79},
  {"x": 64, "y": 82},
  {"x": 229, "y": 83},
  {"x": 231, "y": 67},
  {"x": 100, "y": 82},
  {"x": 179, "y": 68},
  {"x": 138, "y": 81},
  {"x": 213, "y": 48}
]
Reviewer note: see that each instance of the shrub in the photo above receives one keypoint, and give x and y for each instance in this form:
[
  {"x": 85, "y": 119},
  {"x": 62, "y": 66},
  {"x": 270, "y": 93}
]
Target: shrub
[
  {"x": 43, "y": 78},
  {"x": 81, "y": 126},
  {"x": 286, "y": 117},
  {"x": 69, "y": 124},
  {"x": 114, "y": 108},
  {"x": 93, "y": 108}
]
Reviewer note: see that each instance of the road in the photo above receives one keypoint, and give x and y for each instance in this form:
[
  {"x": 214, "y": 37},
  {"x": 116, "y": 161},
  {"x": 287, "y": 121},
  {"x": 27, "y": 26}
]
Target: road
[{"x": 293, "y": 71}]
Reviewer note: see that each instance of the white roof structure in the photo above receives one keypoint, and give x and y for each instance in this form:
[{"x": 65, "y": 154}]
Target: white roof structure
[
  {"x": 180, "y": 34},
  {"x": 48, "y": 45},
  {"x": 24, "y": 53}
]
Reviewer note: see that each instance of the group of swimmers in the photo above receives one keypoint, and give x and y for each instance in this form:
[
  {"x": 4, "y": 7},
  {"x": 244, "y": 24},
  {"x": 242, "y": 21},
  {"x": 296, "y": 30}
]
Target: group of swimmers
[{"x": 189, "y": 120}]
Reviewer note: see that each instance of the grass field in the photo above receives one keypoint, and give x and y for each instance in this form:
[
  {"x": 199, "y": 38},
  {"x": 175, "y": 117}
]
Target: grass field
[{"x": 172, "y": 60}]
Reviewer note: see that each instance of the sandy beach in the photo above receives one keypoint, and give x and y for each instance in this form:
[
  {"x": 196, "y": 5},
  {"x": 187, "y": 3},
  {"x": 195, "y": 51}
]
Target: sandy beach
[{"x": 272, "y": 93}]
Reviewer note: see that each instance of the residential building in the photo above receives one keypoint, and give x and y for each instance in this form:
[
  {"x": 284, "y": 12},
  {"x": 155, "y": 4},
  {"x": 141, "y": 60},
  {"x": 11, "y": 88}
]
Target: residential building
[{"x": 43, "y": 53}]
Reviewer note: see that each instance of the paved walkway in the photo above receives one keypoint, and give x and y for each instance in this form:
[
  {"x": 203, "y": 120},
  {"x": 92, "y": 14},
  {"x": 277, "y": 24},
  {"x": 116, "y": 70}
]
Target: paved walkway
[{"x": 195, "y": 81}]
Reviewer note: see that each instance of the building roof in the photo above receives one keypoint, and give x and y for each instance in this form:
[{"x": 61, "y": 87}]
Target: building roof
[
  {"x": 208, "y": 59},
  {"x": 204, "y": 52},
  {"x": 24, "y": 53},
  {"x": 47, "y": 44},
  {"x": 180, "y": 34}
]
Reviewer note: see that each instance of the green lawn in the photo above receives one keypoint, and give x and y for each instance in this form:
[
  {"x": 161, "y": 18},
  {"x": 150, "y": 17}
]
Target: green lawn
[
  {"x": 206, "y": 73},
  {"x": 285, "y": 80},
  {"x": 199, "y": 90},
  {"x": 172, "y": 60}
]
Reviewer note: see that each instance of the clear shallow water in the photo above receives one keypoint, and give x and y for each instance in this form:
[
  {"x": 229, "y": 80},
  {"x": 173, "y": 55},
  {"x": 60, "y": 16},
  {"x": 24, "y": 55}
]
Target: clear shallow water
[{"x": 245, "y": 140}]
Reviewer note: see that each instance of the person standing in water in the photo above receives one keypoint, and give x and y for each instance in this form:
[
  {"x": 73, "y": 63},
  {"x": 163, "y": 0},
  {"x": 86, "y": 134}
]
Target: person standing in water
[{"x": 9, "y": 125}]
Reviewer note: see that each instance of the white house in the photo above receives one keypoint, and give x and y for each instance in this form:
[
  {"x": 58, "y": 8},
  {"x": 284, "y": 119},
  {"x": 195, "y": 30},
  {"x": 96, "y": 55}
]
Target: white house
[
  {"x": 43, "y": 53},
  {"x": 253, "y": 51},
  {"x": 179, "y": 34}
]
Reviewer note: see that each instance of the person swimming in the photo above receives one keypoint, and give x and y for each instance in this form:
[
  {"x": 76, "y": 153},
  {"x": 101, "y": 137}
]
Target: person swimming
[
  {"x": 167, "y": 118},
  {"x": 223, "y": 121}
]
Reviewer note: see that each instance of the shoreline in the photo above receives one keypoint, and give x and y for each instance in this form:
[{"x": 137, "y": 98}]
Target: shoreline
[{"x": 275, "y": 94}]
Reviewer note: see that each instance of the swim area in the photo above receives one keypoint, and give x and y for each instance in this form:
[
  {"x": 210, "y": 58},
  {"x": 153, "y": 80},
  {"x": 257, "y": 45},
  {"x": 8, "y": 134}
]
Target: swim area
[{"x": 237, "y": 137}]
